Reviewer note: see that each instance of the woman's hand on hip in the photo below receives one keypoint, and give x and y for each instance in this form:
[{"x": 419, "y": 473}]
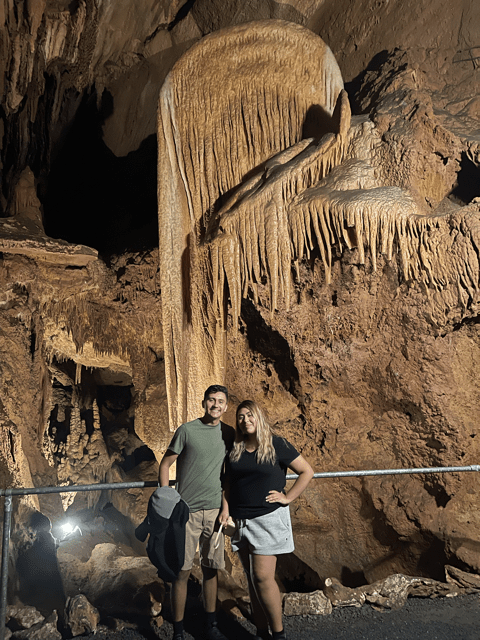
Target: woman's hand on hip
[{"x": 277, "y": 496}]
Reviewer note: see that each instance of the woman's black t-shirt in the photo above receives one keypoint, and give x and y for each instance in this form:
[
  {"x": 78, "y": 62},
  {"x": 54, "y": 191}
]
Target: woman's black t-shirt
[{"x": 250, "y": 481}]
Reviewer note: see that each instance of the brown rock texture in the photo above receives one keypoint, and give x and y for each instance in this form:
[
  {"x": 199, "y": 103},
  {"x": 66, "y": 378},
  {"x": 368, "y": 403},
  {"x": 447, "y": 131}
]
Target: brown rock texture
[
  {"x": 25, "y": 617},
  {"x": 297, "y": 604},
  {"x": 116, "y": 583},
  {"x": 81, "y": 616},
  {"x": 46, "y": 630}
]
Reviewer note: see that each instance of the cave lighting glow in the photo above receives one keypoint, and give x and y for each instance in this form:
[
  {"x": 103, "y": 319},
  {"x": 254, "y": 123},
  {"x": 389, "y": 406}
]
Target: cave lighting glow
[{"x": 68, "y": 529}]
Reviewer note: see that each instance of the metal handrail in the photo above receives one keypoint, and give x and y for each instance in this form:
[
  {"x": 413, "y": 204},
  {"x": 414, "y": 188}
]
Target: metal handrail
[
  {"x": 80, "y": 487},
  {"x": 7, "y": 523},
  {"x": 10, "y": 492},
  {"x": 388, "y": 472}
]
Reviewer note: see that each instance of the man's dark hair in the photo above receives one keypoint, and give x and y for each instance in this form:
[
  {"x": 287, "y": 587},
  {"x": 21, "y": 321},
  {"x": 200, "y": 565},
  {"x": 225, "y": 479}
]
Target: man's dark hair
[{"x": 215, "y": 388}]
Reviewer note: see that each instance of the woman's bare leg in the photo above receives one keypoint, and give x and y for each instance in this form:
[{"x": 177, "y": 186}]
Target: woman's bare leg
[
  {"x": 260, "y": 620},
  {"x": 266, "y": 588}
]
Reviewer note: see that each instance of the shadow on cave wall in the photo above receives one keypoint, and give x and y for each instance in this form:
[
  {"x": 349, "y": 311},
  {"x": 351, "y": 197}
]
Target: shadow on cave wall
[
  {"x": 94, "y": 198},
  {"x": 273, "y": 346},
  {"x": 421, "y": 554},
  {"x": 38, "y": 574},
  {"x": 354, "y": 87}
]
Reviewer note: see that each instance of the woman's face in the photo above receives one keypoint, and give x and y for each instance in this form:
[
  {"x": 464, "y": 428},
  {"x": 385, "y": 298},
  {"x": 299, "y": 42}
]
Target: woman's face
[{"x": 246, "y": 421}]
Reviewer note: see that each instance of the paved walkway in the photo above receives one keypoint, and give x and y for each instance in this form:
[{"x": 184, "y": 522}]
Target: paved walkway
[{"x": 420, "y": 619}]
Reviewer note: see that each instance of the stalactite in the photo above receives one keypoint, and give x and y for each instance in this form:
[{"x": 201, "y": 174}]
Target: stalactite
[
  {"x": 45, "y": 397},
  {"x": 88, "y": 321},
  {"x": 383, "y": 219},
  {"x": 261, "y": 224}
]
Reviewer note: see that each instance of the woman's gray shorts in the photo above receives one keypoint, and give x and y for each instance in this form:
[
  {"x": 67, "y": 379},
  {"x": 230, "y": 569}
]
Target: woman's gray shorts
[{"x": 267, "y": 535}]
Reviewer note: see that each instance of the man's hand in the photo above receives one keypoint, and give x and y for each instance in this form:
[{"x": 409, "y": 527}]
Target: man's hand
[{"x": 223, "y": 517}]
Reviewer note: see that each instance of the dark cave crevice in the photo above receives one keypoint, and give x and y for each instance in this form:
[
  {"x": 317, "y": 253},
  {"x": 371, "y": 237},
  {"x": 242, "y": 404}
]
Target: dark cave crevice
[
  {"x": 96, "y": 199},
  {"x": 465, "y": 322},
  {"x": 436, "y": 490},
  {"x": 296, "y": 575},
  {"x": 181, "y": 14},
  {"x": 468, "y": 182},
  {"x": 272, "y": 346},
  {"x": 352, "y": 579},
  {"x": 433, "y": 559},
  {"x": 26, "y": 142}
]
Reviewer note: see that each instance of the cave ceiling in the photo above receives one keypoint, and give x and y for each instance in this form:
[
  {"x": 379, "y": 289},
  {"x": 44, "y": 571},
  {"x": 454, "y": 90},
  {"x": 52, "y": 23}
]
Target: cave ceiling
[{"x": 298, "y": 216}]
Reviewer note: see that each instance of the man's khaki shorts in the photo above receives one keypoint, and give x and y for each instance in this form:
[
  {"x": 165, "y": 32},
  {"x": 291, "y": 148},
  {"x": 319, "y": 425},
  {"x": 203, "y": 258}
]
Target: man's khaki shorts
[{"x": 201, "y": 530}]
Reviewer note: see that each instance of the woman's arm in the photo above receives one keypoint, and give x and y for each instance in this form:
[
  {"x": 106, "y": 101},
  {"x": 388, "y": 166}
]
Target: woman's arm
[{"x": 305, "y": 474}]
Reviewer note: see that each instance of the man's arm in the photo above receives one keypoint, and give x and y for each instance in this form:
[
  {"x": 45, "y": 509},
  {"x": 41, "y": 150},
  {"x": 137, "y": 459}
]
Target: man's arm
[
  {"x": 164, "y": 472},
  {"x": 224, "y": 511},
  {"x": 224, "y": 514}
]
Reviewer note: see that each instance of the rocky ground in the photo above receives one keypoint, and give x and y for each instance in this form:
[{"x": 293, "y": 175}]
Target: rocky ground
[{"x": 428, "y": 619}]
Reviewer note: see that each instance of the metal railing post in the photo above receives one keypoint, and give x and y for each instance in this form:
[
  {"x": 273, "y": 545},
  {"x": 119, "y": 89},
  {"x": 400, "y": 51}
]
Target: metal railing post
[{"x": 7, "y": 523}]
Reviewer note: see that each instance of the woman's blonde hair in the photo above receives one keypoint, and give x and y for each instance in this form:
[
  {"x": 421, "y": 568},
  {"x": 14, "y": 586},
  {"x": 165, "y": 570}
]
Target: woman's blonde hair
[{"x": 266, "y": 450}]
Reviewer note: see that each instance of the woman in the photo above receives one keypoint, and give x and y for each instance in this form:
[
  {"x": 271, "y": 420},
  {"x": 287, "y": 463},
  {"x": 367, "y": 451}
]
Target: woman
[{"x": 255, "y": 481}]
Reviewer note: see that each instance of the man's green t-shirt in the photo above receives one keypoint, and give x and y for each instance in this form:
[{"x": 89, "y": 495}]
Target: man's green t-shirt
[{"x": 201, "y": 450}]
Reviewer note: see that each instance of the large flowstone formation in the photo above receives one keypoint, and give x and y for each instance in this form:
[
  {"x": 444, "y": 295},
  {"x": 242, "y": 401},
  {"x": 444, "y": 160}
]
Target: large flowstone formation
[{"x": 229, "y": 104}]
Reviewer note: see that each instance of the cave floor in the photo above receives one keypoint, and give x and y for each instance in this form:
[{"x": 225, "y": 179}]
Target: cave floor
[{"x": 428, "y": 619}]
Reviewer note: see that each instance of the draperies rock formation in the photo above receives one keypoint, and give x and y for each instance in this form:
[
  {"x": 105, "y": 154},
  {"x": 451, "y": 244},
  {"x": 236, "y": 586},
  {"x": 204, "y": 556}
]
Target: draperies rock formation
[
  {"x": 337, "y": 262},
  {"x": 385, "y": 342}
]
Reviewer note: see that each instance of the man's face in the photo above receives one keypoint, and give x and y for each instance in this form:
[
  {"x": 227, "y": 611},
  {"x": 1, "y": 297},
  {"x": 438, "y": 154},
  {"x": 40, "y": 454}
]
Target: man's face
[{"x": 215, "y": 405}]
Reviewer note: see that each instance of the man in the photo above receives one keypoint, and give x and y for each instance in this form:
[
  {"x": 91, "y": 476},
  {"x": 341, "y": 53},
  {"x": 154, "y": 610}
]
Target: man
[{"x": 200, "y": 447}]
